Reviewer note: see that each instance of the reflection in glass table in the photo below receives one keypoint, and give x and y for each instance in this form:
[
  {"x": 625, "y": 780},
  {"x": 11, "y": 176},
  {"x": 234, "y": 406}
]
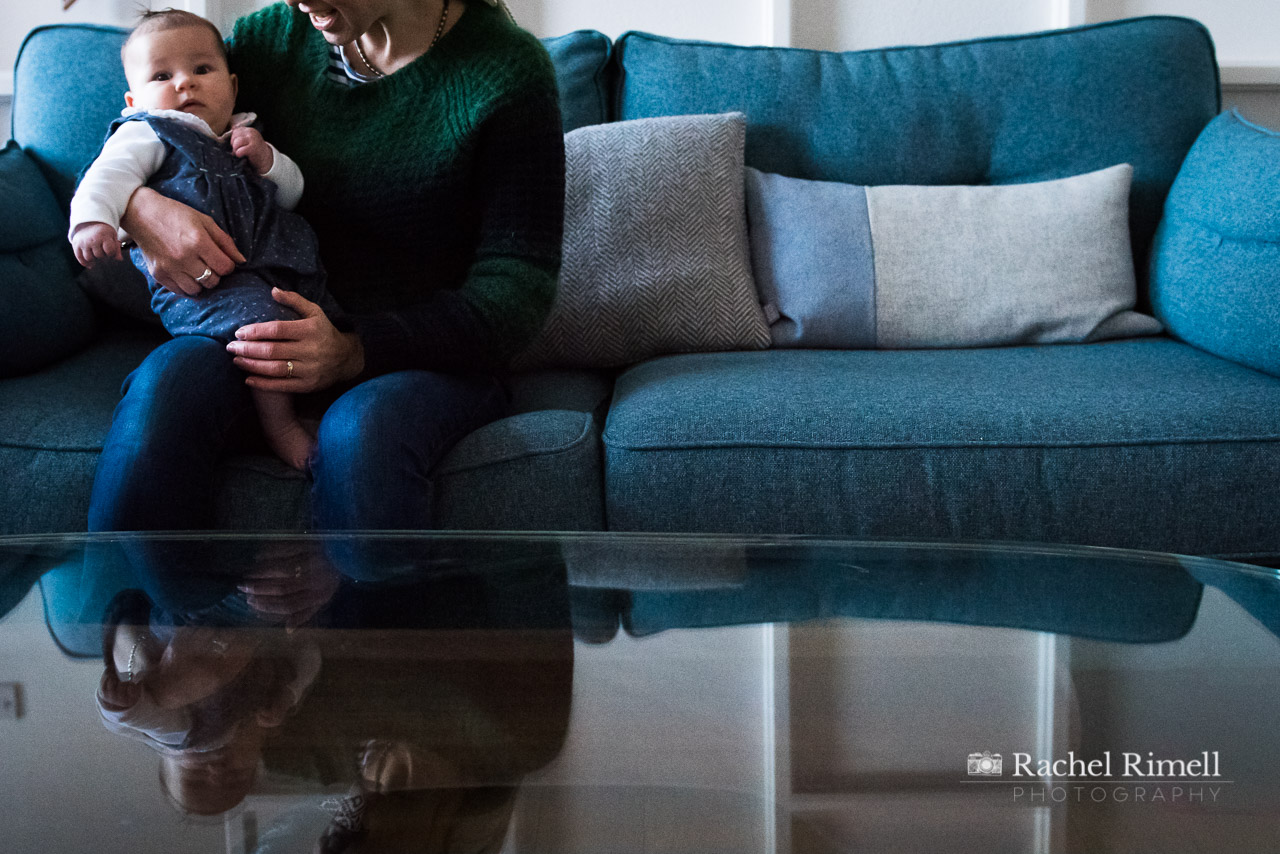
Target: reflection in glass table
[{"x": 632, "y": 693}]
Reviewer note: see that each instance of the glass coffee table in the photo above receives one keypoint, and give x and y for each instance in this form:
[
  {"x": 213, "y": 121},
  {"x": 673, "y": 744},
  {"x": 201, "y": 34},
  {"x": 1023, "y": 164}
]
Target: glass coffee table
[{"x": 632, "y": 693}]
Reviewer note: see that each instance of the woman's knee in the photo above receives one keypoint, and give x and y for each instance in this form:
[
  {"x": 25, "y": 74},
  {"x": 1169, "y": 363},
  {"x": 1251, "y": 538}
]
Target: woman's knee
[
  {"x": 189, "y": 365},
  {"x": 353, "y": 431},
  {"x": 411, "y": 417},
  {"x": 187, "y": 368},
  {"x": 190, "y": 378}
]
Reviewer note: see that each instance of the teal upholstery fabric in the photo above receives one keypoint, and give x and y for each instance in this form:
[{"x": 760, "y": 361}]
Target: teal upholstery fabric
[
  {"x": 992, "y": 111},
  {"x": 43, "y": 315},
  {"x": 63, "y": 133},
  {"x": 584, "y": 76},
  {"x": 535, "y": 470},
  {"x": 51, "y": 433},
  {"x": 1215, "y": 269},
  {"x": 1145, "y": 444},
  {"x": 30, "y": 215}
]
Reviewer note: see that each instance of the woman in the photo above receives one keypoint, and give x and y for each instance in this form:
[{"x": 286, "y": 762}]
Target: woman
[{"x": 430, "y": 136}]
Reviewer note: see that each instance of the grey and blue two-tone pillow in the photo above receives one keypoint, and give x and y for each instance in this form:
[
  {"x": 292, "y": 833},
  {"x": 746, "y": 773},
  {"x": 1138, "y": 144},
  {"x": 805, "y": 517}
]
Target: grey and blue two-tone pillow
[{"x": 849, "y": 267}]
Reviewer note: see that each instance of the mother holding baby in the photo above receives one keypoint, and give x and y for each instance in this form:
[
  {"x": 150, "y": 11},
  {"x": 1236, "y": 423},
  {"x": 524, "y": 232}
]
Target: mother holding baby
[{"x": 430, "y": 138}]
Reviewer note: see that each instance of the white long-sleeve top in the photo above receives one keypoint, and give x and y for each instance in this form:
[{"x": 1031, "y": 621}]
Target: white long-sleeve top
[{"x": 134, "y": 153}]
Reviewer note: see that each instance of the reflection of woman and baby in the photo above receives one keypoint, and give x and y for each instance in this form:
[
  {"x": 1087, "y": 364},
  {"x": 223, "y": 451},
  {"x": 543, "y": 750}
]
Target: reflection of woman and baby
[
  {"x": 430, "y": 138},
  {"x": 419, "y": 704}
]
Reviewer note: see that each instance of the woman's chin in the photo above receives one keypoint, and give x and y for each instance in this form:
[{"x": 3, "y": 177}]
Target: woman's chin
[{"x": 334, "y": 35}]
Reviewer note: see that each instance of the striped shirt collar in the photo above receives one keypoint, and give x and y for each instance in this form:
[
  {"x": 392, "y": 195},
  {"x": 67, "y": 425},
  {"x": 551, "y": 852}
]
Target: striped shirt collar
[{"x": 341, "y": 71}]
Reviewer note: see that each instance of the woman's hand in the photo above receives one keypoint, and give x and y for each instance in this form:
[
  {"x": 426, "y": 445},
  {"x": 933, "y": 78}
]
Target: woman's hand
[
  {"x": 289, "y": 584},
  {"x": 179, "y": 242},
  {"x": 297, "y": 355}
]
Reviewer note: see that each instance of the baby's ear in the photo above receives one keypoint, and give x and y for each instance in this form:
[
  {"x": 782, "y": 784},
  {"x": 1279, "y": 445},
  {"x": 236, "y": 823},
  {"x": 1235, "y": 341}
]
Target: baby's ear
[{"x": 128, "y": 99}]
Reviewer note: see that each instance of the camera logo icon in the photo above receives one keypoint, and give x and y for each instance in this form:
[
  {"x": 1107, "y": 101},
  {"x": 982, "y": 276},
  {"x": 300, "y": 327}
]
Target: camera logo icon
[{"x": 985, "y": 764}]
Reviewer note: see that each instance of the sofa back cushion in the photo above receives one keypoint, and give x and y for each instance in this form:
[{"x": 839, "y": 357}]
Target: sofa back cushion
[
  {"x": 43, "y": 316},
  {"x": 69, "y": 85},
  {"x": 584, "y": 75},
  {"x": 993, "y": 111}
]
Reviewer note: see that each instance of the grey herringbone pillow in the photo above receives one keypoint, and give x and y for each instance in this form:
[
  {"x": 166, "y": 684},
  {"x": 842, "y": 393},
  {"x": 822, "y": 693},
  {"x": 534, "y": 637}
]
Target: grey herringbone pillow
[{"x": 655, "y": 245}]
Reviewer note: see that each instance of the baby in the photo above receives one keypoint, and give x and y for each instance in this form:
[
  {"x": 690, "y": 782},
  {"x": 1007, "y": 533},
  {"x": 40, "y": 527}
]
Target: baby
[
  {"x": 204, "y": 696},
  {"x": 179, "y": 136}
]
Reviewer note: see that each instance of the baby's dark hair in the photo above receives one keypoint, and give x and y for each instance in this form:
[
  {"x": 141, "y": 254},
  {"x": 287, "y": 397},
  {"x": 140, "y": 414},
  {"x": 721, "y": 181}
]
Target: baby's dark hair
[{"x": 171, "y": 19}]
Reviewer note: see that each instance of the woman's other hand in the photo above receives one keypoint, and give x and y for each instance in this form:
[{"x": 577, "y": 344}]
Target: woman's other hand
[
  {"x": 289, "y": 582},
  {"x": 180, "y": 243},
  {"x": 297, "y": 355}
]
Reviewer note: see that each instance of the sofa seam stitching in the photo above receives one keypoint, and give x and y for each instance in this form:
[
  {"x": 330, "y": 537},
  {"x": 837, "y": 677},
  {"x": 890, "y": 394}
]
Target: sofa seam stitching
[{"x": 1164, "y": 442}]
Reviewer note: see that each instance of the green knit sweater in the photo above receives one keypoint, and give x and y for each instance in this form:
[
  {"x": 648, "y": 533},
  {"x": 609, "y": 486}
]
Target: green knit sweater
[{"x": 437, "y": 192}]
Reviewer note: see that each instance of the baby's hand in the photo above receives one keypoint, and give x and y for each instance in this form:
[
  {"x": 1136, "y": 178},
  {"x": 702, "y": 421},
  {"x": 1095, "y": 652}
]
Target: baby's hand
[
  {"x": 93, "y": 241},
  {"x": 249, "y": 144}
]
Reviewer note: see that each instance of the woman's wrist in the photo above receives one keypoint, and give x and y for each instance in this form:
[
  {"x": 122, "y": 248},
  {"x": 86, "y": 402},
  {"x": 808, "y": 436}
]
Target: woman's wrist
[
  {"x": 135, "y": 211},
  {"x": 353, "y": 364}
]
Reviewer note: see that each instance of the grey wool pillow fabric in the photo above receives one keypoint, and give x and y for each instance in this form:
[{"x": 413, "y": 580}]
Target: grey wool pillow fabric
[
  {"x": 655, "y": 245},
  {"x": 845, "y": 266}
]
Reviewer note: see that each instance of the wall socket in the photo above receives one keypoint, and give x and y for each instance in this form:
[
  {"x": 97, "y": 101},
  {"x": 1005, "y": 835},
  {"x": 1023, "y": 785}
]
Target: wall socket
[{"x": 10, "y": 701}]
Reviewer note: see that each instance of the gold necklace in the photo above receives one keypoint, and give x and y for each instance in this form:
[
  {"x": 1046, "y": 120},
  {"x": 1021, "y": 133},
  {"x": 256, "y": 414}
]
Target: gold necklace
[{"x": 444, "y": 14}]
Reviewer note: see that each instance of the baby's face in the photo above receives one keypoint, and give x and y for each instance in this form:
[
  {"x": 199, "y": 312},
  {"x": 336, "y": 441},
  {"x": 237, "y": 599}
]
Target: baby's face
[{"x": 181, "y": 69}]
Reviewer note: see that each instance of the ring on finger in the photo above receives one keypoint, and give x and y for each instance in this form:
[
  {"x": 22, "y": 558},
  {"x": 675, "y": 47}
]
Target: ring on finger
[
  {"x": 204, "y": 277},
  {"x": 288, "y": 369}
]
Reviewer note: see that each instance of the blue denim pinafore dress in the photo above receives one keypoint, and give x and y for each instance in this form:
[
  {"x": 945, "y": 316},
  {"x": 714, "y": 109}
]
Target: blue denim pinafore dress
[{"x": 280, "y": 248}]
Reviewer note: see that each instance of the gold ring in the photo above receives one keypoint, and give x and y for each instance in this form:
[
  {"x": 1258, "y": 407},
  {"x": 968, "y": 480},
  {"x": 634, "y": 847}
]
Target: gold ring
[{"x": 288, "y": 369}]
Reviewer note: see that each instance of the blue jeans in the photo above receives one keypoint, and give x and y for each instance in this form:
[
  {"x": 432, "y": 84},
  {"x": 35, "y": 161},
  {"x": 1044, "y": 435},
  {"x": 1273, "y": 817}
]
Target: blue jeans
[{"x": 187, "y": 406}]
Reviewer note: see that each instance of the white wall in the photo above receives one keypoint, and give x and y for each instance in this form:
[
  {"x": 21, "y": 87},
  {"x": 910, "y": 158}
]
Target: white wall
[{"x": 19, "y": 17}]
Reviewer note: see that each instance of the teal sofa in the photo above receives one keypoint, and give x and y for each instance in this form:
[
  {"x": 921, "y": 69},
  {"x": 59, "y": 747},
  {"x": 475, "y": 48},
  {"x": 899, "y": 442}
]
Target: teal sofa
[{"x": 1151, "y": 443}]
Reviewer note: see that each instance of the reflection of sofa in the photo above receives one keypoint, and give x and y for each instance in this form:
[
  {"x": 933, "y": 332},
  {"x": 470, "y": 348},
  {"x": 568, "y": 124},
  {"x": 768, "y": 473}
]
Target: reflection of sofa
[{"x": 1144, "y": 443}]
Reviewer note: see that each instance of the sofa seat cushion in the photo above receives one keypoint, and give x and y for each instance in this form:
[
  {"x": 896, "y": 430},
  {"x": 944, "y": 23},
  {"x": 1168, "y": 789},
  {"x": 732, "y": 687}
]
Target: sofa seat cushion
[
  {"x": 1141, "y": 444},
  {"x": 539, "y": 468}
]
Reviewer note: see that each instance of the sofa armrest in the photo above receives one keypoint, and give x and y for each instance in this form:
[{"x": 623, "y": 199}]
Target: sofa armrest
[
  {"x": 44, "y": 316},
  {"x": 1215, "y": 264}
]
